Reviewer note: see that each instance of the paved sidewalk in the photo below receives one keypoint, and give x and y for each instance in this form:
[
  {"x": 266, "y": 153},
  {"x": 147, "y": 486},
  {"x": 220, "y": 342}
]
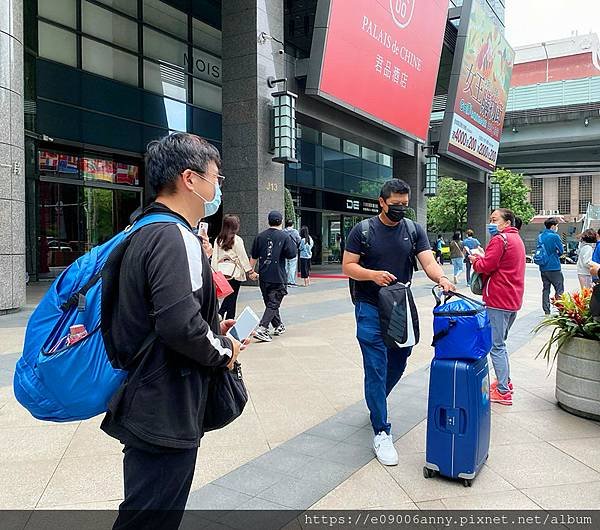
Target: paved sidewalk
[{"x": 304, "y": 439}]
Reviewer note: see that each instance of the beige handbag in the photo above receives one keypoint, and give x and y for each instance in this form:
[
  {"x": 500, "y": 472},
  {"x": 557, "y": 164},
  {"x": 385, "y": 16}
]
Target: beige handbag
[{"x": 228, "y": 267}]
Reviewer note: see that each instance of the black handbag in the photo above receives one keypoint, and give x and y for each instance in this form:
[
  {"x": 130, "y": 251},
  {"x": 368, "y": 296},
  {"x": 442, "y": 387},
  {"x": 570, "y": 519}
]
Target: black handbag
[
  {"x": 398, "y": 316},
  {"x": 227, "y": 397}
]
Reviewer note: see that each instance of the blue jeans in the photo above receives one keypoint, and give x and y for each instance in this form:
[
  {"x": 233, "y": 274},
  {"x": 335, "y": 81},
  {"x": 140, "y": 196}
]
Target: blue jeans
[
  {"x": 291, "y": 268},
  {"x": 383, "y": 366},
  {"x": 458, "y": 263},
  {"x": 501, "y": 322}
]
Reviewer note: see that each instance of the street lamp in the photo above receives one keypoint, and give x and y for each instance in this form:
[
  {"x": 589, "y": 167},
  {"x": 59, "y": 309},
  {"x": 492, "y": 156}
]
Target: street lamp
[
  {"x": 495, "y": 195},
  {"x": 431, "y": 175},
  {"x": 284, "y": 123}
]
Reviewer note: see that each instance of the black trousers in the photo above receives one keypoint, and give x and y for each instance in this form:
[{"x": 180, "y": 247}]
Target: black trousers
[
  {"x": 468, "y": 266},
  {"x": 228, "y": 305},
  {"x": 157, "y": 486},
  {"x": 273, "y": 294}
]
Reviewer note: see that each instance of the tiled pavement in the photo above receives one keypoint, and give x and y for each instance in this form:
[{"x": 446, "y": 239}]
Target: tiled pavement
[{"x": 304, "y": 440}]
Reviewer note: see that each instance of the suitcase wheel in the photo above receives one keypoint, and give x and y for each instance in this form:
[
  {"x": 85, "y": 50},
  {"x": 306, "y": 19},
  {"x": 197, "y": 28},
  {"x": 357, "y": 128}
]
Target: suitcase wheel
[
  {"x": 428, "y": 473},
  {"x": 467, "y": 482}
]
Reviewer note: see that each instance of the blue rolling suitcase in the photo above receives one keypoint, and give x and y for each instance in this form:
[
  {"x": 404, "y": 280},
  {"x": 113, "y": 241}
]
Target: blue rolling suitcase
[{"x": 458, "y": 420}]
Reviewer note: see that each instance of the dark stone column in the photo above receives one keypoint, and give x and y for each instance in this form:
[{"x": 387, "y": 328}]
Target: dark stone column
[
  {"x": 411, "y": 169},
  {"x": 255, "y": 183},
  {"x": 12, "y": 180},
  {"x": 478, "y": 209}
]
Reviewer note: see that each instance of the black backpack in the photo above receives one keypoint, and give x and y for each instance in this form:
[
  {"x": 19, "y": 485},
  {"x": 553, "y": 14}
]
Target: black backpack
[{"x": 365, "y": 231}]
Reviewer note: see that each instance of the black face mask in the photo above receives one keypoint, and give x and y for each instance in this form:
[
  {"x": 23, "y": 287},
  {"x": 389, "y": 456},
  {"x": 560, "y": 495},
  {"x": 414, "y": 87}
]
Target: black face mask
[{"x": 396, "y": 212}]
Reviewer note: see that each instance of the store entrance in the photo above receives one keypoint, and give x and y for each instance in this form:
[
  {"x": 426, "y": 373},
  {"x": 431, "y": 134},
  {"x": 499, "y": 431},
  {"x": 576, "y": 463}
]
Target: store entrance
[{"x": 336, "y": 228}]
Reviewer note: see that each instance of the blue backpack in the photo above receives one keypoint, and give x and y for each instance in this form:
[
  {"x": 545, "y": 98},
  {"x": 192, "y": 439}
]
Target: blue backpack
[
  {"x": 76, "y": 382},
  {"x": 461, "y": 328},
  {"x": 540, "y": 257}
]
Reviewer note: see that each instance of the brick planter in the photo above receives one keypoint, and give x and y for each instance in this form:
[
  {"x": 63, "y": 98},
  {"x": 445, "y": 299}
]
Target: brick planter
[{"x": 578, "y": 377}]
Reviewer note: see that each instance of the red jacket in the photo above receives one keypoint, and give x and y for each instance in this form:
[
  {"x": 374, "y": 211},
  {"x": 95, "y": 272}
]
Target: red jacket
[{"x": 503, "y": 271}]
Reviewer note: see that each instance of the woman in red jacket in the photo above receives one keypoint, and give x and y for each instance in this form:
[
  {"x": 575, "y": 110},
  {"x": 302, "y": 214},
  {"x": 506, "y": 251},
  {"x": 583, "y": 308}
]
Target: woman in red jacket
[{"x": 503, "y": 270}]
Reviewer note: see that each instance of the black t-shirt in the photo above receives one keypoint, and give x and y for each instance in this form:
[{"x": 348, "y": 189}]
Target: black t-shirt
[
  {"x": 271, "y": 248},
  {"x": 389, "y": 250}
]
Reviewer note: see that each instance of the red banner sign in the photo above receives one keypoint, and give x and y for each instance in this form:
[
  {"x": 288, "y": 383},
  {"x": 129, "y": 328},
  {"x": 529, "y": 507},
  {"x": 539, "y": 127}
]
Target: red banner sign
[{"x": 381, "y": 60}]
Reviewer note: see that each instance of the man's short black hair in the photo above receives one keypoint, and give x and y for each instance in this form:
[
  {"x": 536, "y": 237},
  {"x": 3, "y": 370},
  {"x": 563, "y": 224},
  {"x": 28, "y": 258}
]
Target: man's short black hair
[
  {"x": 394, "y": 186},
  {"x": 169, "y": 157},
  {"x": 549, "y": 223},
  {"x": 289, "y": 223}
]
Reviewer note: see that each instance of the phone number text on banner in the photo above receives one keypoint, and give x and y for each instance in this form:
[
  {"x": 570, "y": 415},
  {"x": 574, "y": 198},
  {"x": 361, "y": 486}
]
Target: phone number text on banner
[{"x": 469, "y": 141}]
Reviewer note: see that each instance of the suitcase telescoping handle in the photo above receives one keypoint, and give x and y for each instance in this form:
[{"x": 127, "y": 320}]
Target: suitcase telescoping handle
[{"x": 438, "y": 293}]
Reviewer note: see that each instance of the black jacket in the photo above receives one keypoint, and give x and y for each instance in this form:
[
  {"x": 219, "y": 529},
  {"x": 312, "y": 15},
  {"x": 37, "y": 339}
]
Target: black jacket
[{"x": 164, "y": 285}]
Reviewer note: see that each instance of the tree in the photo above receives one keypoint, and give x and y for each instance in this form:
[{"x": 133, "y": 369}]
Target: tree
[
  {"x": 514, "y": 193},
  {"x": 290, "y": 211},
  {"x": 447, "y": 211}
]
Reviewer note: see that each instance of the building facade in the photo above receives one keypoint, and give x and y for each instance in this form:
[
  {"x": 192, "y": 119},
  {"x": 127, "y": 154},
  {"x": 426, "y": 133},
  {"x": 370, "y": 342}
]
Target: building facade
[{"x": 86, "y": 84}]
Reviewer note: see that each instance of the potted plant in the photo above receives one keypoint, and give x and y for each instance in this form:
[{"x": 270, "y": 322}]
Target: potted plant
[{"x": 575, "y": 344}]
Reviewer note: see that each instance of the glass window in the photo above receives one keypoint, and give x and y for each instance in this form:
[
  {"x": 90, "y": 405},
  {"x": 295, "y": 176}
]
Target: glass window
[
  {"x": 208, "y": 96},
  {"x": 206, "y": 66},
  {"x": 384, "y": 160},
  {"x": 159, "y": 46},
  {"x": 98, "y": 212},
  {"x": 351, "y": 148},
  {"x": 370, "y": 170},
  {"x": 105, "y": 25},
  {"x": 537, "y": 194},
  {"x": 369, "y": 154},
  {"x": 166, "y": 80},
  {"x": 98, "y": 169},
  {"x": 332, "y": 142},
  {"x": 57, "y": 44},
  {"x": 206, "y": 37},
  {"x": 126, "y": 6},
  {"x": 109, "y": 62},
  {"x": 564, "y": 195},
  {"x": 166, "y": 18},
  {"x": 63, "y": 11},
  {"x": 585, "y": 192},
  {"x": 53, "y": 164},
  {"x": 333, "y": 180},
  {"x": 309, "y": 135}
]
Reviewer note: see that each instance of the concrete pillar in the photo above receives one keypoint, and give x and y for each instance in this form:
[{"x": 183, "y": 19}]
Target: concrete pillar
[
  {"x": 478, "y": 208},
  {"x": 12, "y": 159},
  {"x": 411, "y": 169},
  {"x": 254, "y": 184}
]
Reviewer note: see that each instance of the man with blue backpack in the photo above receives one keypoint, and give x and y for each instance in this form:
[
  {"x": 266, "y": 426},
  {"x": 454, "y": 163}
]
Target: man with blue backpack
[
  {"x": 380, "y": 255},
  {"x": 166, "y": 292},
  {"x": 547, "y": 257}
]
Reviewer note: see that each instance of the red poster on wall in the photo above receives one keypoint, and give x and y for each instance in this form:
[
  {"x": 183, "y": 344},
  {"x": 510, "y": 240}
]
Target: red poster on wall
[{"x": 380, "y": 59}]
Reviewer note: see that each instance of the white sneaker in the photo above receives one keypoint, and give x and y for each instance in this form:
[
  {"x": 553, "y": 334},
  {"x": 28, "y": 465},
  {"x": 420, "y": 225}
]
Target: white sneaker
[
  {"x": 262, "y": 334},
  {"x": 385, "y": 450}
]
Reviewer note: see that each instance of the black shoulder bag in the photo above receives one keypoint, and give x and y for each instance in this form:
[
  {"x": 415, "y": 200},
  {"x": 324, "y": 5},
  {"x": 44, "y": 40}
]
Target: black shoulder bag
[{"x": 227, "y": 397}]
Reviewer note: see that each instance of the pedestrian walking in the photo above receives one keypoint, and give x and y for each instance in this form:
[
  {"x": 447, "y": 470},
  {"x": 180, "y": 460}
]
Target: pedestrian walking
[
  {"x": 457, "y": 256},
  {"x": 550, "y": 248},
  {"x": 394, "y": 244},
  {"x": 270, "y": 249},
  {"x": 230, "y": 258},
  {"x": 291, "y": 265},
  {"x": 584, "y": 259},
  {"x": 503, "y": 270},
  {"x": 306, "y": 246},
  {"x": 471, "y": 243},
  {"x": 439, "y": 245},
  {"x": 166, "y": 291}
]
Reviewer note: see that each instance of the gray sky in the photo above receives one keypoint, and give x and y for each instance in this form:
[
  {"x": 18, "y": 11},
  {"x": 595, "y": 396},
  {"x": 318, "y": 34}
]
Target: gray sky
[{"x": 533, "y": 21}]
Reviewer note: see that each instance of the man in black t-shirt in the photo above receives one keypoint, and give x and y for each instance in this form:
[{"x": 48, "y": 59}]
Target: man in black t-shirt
[
  {"x": 271, "y": 249},
  {"x": 387, "y": 258}
]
